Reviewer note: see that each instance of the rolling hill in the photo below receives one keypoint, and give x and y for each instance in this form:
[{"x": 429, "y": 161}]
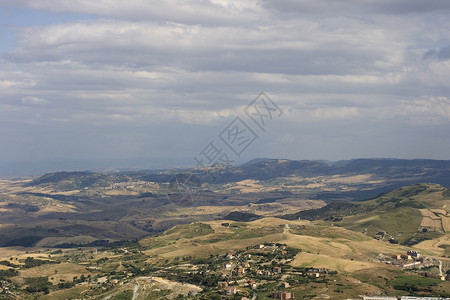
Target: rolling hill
[
  {"x": 407, "y": 215},
  {"x": 57, "y": 208}
]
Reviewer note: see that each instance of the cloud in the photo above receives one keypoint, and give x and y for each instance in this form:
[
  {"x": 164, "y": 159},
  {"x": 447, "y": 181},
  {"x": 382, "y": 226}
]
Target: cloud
[
  {"x": 262, "y": 49},
  {"x": 144, "y": 71},
  {"x": 442, "y": 53},
  {"x": 25, "y": 83},
  {"x": 189, "y": 12},
  {"x": 358, "y": 6},
  {"x": 432, "y": 110},
  {"x": 30, "y": 100}
]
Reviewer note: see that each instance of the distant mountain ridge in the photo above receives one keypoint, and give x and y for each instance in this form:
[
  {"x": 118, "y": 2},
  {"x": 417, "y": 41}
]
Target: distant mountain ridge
[
  {"x": 59, "y": 207},
  {"x": 417, "y": 170}
]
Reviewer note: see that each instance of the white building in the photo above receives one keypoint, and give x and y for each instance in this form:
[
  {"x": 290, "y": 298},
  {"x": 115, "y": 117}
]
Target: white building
[
  {"x": 380, "y": 298},
  {"x": 421, "y": 298}
]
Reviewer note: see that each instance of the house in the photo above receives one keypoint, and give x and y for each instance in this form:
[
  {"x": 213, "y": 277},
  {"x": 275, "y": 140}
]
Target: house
[
  {"x": 318, "y": 270},
  {"x": 231, "y": 290},
  {"x": 380, "y": 298},
  {"x": 228, "y": 266},
  {"x": 283, "y": 295},
  {"x": 103, "y": 279},
  {"x": 260, "y": 246},
  {"x": 222, "y": 284},
  {"x": 276, "y": 270},
  {"x": 240, "y": 271},
  {"x": 230, "y": 254},
  {"x": 252, "y": 284},
  {"x": 313, "y": 272},
  {"x": 396, "y": 256},
  {"x": 406, "y": 256},
  {"x": 378, "y": 237},
  {"x": 284, "y": 252},
  {"x": 419, "y": 298},
  {"x": 413, "y": 253},
  {"x": 285, "y": 284}
]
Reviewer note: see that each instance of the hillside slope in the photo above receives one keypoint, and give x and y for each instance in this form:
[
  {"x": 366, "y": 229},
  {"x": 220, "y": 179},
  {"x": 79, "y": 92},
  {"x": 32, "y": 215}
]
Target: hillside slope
[{"x": 407, "y": 215}]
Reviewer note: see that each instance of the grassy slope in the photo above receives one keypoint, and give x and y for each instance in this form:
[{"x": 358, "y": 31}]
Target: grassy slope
[
  {"x": 351, "y": 253},
  {"x": 334, "y": 247},
  {"x": 397, "y": 213},
  {"x": 400, "y": 223}
]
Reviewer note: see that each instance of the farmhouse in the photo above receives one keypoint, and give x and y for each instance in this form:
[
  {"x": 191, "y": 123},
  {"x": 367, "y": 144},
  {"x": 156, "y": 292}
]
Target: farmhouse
[
  {"x": 396, "y": 256},
  {"x": 406, "y": 256},
  {"x": 415, "y": 254},
  {"x": 240, "y": 272},
  {"x": 283, "y": 295},
  {"x": 230, "y": 290},
  {"x": 252, "y": 284},
  {"x": 230, "y": 254},
  {"x": 380, "y": 298}
]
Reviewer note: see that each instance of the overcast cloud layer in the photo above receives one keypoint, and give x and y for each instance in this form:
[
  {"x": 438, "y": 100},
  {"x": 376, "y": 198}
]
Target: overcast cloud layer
[{"x": 148, "y": 84}]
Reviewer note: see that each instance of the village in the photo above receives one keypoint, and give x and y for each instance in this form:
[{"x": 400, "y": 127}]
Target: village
[
  {"x": 263, "y": 268},
  {"x": 412, "y": 260},
  {"x": 260, "y": 271}
]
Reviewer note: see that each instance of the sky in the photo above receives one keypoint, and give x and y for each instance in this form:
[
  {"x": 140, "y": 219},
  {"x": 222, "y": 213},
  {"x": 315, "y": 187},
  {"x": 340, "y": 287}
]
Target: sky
[{"x": 145, "y": 84}]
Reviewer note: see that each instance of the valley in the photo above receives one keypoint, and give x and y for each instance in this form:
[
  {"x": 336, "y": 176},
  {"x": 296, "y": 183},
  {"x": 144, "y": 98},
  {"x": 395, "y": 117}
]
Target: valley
[{"x": 260, "y": 230}]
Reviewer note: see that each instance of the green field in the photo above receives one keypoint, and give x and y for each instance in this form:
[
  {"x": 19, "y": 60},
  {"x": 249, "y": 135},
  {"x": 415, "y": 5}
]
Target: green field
[{"x": 414, "y": 284}]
